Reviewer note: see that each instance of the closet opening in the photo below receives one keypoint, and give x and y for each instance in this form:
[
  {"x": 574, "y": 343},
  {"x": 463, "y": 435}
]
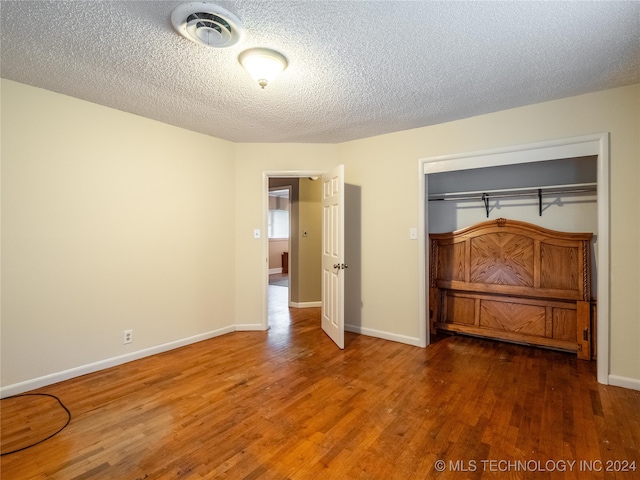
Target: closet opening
[{"x": 558, "y": 185}]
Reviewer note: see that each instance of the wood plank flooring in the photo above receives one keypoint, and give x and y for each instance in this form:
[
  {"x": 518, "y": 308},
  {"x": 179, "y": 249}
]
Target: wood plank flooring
[{"x": 287, "y": 404}]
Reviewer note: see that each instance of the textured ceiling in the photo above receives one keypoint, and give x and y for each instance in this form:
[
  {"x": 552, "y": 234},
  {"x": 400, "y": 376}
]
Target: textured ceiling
[{"x": 356, "y": 68}]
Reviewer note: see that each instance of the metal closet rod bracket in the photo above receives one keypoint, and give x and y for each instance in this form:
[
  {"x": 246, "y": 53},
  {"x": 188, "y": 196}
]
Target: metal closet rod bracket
[{"x": 485, "y": 200}]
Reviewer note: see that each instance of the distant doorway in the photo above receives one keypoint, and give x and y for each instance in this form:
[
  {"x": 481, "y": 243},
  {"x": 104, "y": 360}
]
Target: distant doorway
[
  {"x": 279, "y": 232},
  {"x": 293, "y": 253}
]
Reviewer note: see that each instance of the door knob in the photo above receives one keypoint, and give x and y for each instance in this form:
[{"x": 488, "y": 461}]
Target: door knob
[
  {"x": 336, "y": 265},
  {"x": 345, "y": 266}
]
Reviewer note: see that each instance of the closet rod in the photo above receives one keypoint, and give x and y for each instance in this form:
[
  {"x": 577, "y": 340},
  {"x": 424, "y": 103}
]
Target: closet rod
[
  {"x": 521, "y": 192},
  {"x": 505, "y": 195}
]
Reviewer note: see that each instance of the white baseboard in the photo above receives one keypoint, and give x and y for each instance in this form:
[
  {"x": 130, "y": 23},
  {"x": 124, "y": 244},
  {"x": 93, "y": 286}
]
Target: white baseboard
[
  {"x": 52, "y": 378},
  {"x": 625, "y": 382},
  {"x": 394, "y": 337},
  {"x": 305, "y": 304},
  {"x": 248, "y": 327},
  {"x": 275, "y": 270}
]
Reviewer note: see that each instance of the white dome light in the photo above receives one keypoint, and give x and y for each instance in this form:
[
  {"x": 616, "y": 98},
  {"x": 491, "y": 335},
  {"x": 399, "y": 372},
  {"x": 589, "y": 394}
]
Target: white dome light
[{"x": 263, "y": 65}]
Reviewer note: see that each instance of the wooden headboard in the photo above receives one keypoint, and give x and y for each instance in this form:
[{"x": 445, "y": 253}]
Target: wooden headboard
[{"x": 513, "y": 281}]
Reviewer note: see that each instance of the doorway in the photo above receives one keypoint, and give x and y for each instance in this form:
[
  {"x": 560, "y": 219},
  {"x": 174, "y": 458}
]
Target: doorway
[
  {"x": 278, "y": 232},
  {"x": 294, "y": 267},
  {"x": 590, "y": 145}
]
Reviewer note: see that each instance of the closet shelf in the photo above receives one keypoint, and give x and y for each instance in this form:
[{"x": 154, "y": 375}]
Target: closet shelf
[{"x": 539, "y": 192}]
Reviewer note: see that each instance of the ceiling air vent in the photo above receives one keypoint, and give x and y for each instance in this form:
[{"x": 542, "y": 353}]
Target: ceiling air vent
[{"x": 207, "y": 24}]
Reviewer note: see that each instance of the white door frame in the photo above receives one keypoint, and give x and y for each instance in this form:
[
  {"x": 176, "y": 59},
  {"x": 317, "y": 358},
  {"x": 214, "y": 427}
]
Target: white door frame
[
  {"x": 265, "y": 229},
  {"x": 597, "y": 144}
]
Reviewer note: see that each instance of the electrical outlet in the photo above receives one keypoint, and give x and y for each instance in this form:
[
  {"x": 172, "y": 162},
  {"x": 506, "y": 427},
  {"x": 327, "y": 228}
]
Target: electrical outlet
[{"x": 128, "y": 336}]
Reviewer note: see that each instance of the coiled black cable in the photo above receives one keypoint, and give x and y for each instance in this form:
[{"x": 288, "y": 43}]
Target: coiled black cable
[{"x": 50, "y": 436}]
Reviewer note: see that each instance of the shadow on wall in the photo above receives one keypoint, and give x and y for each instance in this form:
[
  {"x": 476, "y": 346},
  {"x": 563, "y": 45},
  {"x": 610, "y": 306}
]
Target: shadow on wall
[{"x": 353, "y": 256}]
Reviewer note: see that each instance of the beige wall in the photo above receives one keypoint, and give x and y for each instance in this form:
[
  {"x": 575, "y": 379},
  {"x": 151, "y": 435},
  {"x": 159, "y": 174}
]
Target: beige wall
[
  {"x": 310, "y": 246},
  {"x": 110, "y": 221},
  {"x": 276, "y": 248}
]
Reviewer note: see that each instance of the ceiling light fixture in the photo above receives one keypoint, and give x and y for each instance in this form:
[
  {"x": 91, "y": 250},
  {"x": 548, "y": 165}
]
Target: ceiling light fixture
[{"x": 263, "y": 65}]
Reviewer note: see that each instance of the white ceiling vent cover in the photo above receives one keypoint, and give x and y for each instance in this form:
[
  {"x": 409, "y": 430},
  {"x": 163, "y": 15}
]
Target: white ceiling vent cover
[{"x": 207, "y": 24}]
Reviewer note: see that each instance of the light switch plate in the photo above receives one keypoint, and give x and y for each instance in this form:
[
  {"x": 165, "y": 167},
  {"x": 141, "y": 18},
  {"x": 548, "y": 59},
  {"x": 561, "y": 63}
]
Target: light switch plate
[
  {"x": 256, "y": 233},
  {"x": 413, "y": 233}
]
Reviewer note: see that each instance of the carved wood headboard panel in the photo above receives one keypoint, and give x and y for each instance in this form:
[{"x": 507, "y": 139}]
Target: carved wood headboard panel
[{"x": 502, "y": 272}]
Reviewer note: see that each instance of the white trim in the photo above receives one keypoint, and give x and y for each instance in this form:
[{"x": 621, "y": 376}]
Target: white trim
[
  {"x": 534, "y": 152},
  {"x": 273, "y": 271},
  {"x": 423, "y": 318},
  {"x": 305, "y": 304},
  {"x": 596, "y": 144},
  {"x": 394, "y": 337},
  {"x": 249, "y": 327},
  {"x": 52, "y": 378},
  {"x": 603, "y": 308},
  {"x": 624, "y": 382}
]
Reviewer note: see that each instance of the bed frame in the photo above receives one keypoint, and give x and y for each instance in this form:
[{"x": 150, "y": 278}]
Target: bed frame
[{"x": 513, "y": 281}]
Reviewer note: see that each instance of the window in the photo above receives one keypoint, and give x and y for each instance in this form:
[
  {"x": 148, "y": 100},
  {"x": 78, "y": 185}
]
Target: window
[
  {"x": 279, "y": 213},
  {"x": 278, "y": 224}
]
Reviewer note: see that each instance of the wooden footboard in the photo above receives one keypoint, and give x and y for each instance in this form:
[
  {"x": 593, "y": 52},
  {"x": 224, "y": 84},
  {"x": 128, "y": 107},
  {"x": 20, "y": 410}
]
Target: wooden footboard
[{"x": 513, "y": 281}]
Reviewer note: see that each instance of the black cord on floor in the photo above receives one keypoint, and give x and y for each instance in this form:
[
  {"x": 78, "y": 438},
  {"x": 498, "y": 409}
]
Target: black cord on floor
[{"x": 50, "y": 436}]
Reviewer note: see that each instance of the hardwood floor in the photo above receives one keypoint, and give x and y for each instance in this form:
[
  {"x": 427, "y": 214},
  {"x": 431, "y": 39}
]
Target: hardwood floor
[
  {"x": 279, "y": 279},
  {"x": 287, "y": 404}
]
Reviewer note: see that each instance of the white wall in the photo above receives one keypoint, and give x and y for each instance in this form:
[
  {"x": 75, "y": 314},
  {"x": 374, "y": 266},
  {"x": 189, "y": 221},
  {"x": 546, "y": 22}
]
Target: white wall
[{"x": 110, "y": 221}]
